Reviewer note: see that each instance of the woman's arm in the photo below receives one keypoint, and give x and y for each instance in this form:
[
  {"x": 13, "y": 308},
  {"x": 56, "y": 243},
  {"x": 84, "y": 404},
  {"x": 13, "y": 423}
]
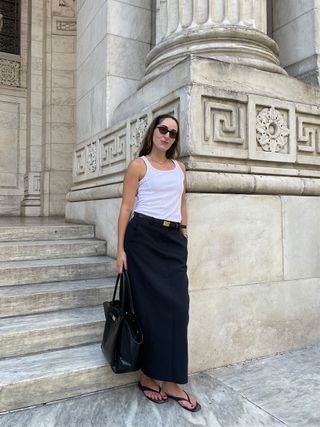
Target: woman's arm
[
  {"x": 130, "y": 186},
  {"x": 184, "y": 202}
]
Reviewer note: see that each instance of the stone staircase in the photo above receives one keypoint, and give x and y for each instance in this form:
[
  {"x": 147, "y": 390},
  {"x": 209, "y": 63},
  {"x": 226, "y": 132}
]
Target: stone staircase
[{"x": 53, "y": 280}]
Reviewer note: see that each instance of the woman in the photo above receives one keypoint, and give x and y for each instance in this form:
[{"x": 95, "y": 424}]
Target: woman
[{"x": 152, "y": 246}]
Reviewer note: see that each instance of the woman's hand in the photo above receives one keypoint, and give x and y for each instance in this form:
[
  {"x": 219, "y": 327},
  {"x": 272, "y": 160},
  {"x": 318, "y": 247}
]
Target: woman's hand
[
  {"x": 121, "y": 261},
  {"x": 184, "y": 231}
]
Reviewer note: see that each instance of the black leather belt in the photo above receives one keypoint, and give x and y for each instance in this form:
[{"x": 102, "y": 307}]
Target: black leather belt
[{"x": 162, "y": 222}]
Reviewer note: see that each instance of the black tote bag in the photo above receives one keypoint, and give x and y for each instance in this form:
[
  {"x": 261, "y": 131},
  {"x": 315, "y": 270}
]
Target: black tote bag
[{"x": 122, "y": 337}]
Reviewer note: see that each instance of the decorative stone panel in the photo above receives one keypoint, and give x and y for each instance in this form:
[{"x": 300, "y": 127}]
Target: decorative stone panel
[
  {"x": 9, "y": 72},
  {"x": 108, "y": 154},
  {"x": 225, "y": 127},
  {"x": 113, "y": 151},
  {"x": 308, "y": 134},
  {"x": 138, "y": 128},
  {"x": 66, "y": 26},
  {"x": 271, "y": 130}
]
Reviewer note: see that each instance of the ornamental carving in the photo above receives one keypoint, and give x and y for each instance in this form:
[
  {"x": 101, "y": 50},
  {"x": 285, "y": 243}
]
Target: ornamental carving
[
  {"x": 308, "y": 133},
  {"x": 272, "y": 130},
  {"x": 224, "y": 122},
  {"x": 138, "y": 131},
  {"x": 9, "y": 72},
  {"x": 92, "y": 158},
  {"x": 63, "y": 25}
]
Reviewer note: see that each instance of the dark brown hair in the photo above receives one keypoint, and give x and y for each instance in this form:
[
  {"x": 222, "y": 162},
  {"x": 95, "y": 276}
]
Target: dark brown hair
[{"x": 147, "y": 142}]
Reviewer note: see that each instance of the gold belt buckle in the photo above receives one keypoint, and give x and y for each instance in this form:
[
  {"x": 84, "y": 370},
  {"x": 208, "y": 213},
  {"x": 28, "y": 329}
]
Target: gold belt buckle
[{"x": 166, "y": 223}]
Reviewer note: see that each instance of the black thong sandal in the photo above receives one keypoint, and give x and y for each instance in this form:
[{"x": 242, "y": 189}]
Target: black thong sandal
[
  {"x": 144, "y": 388},
  {"x": 180, "y": 399}
]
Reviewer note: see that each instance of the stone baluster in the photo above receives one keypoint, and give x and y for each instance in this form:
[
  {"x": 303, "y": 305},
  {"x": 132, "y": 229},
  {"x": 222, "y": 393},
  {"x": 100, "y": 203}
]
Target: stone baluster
[{"x": 230, "y": 30}]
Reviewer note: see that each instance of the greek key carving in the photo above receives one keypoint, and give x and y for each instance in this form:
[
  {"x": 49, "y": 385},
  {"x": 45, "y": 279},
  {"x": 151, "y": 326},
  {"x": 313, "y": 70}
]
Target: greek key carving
[
  {"x": 32, "y": 183},
  {"x": 80, "y": 162},
  {"x": 113, "y": 148},
  {"x": 224, "y": 122},
  {"x": 308, "y": 133},
  {"x": 9, "y": 72},
  {"x": 272, "y": 130}
]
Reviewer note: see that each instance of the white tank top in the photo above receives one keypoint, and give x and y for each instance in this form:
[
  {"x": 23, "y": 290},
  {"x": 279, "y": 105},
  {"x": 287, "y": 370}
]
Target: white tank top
[{"x": 159, "y": 192}]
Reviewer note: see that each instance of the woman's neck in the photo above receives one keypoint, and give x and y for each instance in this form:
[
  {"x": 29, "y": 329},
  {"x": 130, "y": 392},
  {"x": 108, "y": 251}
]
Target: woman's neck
[{"x": 159, "y": 157}]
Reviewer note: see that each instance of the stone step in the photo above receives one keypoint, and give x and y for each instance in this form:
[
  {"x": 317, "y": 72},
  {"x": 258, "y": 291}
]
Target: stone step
[
  {"x": 49, "y": 331},
  {"x": 28, "y": 250},
  {"x": 39, "y": 298},
  {"x": 46, "y": 232},
  {"x": 44, "y": 377},
  {"x": 53, "y": 270}
]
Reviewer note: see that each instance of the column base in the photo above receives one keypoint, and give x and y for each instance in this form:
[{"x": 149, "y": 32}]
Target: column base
[{"x": 235, "y": 44}]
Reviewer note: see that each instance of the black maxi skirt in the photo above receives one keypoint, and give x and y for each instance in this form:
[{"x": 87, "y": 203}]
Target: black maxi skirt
[{"x": 157, "y": 268}]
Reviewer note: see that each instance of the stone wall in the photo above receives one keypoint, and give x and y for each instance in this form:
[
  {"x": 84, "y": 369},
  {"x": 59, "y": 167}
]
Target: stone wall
[
  {"x": 114, "y": 38},
  {"x": 296, "y": 30},
  {"x": 13, "y": 123}
]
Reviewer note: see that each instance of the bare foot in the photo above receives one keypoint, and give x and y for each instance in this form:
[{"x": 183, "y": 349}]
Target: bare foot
[
  {"x": 172, "y": 389},
  {"x": 151, "y": 383}
]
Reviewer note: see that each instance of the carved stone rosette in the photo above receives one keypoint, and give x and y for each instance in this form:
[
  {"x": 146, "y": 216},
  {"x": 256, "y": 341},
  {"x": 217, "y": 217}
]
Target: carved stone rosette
[{"x": 272, "y": 130}]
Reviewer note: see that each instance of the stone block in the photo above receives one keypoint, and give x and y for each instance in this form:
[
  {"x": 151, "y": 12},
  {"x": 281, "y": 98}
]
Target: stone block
[
  {"x": 62, "y": 79},
  {"x": 63, "y": 44},
  {"x": 86, "y": 14},
  {"x": 98, "y": 107},
  {"x": 234, "y": 240},
  {"x": 92, "y": 70},
  {"x": 119, "y": 88},
  {"x": 60, "y": 182},
  {"x": 301, "y": 237},
  {"x": 84, "y": 117},
  {"x": 61, "y": 157},
  {"x": 118, "y": 48},
  {"x": 233, "y": 324},
  {"x": 290, "y": 34},
  {"x": 129, "y": 21},
  {"x": 63, "y": 133},
  {"x": 285, "y": 11},
  {"x": 62, "y": 114},
  {"x": 8, "y": 150},
  {"x": 63, "y": 61},
  {"x": 63, "y": 96},
  {"x": 103, "y": 213}
]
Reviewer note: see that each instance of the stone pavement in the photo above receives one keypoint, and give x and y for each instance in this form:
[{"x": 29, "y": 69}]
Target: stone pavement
[{"x": 278, "y": 390}]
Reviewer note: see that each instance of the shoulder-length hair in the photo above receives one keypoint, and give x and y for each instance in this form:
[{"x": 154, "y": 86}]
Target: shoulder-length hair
[{"x": 147, "y": 142}]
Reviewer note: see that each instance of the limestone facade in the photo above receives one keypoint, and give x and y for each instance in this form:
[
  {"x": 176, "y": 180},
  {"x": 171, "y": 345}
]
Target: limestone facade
[
  {"x": 250, "y": 141},
  {"x": 37, "y": 96}
]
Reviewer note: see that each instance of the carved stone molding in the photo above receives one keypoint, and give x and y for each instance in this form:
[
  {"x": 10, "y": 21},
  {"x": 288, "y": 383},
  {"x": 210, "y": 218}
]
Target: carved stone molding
[
  {"x": 308, "y": 134},
  {"x": 272, "y": 130},
  {"x": 9, "y": 72},
  {"x": 137, "y": 131},
  {"x": 92, "y": 157},
  {"x": 66, "y": 26},
  {"x": 113, "y": 151}
]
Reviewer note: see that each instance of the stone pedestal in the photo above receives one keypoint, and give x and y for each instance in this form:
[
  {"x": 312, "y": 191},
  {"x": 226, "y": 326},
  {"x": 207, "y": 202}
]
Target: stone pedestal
[{"x": 249, "y": 136}]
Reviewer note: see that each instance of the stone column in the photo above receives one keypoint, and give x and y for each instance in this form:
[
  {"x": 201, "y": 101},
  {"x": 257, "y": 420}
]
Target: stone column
[
  {"x": 230, "y": 30},
  {"x": 31, "y": 204}
]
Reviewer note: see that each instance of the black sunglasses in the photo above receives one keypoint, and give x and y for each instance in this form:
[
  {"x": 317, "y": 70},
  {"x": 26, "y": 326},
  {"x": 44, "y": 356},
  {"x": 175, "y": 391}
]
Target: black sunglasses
[{"x": 164, "y": 130}]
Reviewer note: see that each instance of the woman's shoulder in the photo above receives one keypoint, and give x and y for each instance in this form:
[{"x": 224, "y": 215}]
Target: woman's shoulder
[
  {"x": 182, "y": 165},
  {"x": 137, "y": 166}
]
